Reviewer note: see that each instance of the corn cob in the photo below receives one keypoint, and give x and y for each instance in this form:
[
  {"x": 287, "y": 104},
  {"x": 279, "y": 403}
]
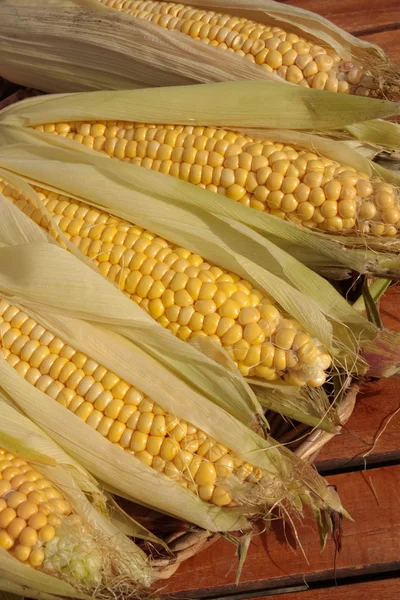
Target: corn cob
[
  {"x": 38, "y": 524},
  {"x": 296, "y": 59},
  {"x": 184, "y": 293},
  {"x": 116, "y": 410},
  {"x": 287, "y": 182}
]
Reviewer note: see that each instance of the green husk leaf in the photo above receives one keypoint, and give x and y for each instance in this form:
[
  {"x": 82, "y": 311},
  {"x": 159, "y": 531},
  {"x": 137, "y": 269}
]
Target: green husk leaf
[
  {"x": 376, "y": 290},
  {"x": 378, "y": 132},
  {"x": 370, "y": 306},
  {"x": 273, "y": 105},
  {"x": 17, "y": 578}
]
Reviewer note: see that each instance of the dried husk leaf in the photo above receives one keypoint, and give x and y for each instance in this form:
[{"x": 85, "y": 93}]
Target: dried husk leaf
[
  {"x": 240, "y": 104},
  {"x": 383, "y": 134}
]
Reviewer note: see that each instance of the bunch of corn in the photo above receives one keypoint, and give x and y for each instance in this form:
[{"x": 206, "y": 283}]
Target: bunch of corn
[
  {"x": 158, "y": 43},
  {"x": 48, "y": 526},
  {"x": 279, "y": 179},
  {"x": 182, "y": 291}
]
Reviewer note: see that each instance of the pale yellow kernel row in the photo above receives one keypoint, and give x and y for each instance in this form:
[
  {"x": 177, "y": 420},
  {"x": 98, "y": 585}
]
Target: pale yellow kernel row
[{"x": 281, "y": 180}]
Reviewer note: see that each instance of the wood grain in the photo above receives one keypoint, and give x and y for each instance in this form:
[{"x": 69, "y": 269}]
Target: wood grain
[
  {"x": 371, "y": 544},
  {"x": 373, "y": 415},
  {"x": 355, "y": 16},
  {"x": 372, "y": 590}
]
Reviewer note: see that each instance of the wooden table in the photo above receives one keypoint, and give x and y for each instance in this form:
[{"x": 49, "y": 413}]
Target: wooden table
[{"x": 364, "y": 465}]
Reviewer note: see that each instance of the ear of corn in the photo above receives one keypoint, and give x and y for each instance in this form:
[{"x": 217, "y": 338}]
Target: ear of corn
[
  {"x": 349, "y": 249},
  {"x": 188, "y": 363},
  {"x": 184, "y": 293},
  {"x": 322, "y": 252},
  {"x": 278, "y": 42},
  {"x": 52, "y": 540},
  {"x": 296, "y": 59},
  {"x": 280, "y": 470},
  {"x": 286, "y": 182},
  {"x": 198, "y": 228}
]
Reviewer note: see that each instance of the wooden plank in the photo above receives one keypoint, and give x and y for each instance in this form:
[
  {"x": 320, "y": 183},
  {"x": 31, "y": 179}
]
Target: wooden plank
[
  {"x": 357, "y": 16},
  {"x": 388, "y": 589},
  {"x": 372, "y": 431},
  {"x": 371, "y": 544}
]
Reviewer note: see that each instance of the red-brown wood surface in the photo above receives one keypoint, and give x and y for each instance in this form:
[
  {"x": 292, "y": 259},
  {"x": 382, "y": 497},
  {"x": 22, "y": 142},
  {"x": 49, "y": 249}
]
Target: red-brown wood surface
[
  {"x": 371, "y": 544},
  {"x": 355, "y": 16},
  {"x": 374, "y": 590}
]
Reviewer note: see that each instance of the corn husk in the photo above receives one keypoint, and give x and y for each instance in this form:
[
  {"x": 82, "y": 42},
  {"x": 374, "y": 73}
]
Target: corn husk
[
  {"x": 99, "y": 48},
  {"x": 122, "y": 559},
  {"x": 222, "y": 105}
]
